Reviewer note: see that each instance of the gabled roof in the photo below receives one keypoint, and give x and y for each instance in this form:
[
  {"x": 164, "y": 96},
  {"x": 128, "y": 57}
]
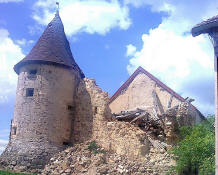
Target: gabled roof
[
  {"x": 51, "y": 48},
  {"x": 206, "y": 26},
  {"x": 161, "y": 84}
]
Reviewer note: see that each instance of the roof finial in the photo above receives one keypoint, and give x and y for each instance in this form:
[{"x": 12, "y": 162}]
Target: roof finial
[{"x": 57, "y": 3}]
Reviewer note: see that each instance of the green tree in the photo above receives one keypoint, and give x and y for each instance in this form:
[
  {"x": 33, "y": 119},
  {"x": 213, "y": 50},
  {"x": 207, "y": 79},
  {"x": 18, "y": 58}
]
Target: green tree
[{"x": 195, "y": 152}]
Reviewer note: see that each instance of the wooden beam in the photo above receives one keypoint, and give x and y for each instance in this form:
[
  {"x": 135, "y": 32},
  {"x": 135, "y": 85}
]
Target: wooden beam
[
  {"x": 143, "y": 115},
  {"x": 170, "y": 101},
  {"x": 157, "y": 103}
]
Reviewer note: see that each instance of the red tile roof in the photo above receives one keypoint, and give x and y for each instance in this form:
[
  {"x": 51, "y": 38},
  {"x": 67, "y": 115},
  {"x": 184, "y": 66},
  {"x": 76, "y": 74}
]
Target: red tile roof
[
  {"x": 141, "y": 70},
  {"x": 51, "y": 48}
]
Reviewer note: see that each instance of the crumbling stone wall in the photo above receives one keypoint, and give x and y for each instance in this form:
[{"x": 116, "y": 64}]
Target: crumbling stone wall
[
  {"x": 180, "y": 115},
  {"x": 123, "y": 139},
  {"x": 93, "y": 120},
  {"x": 42, "y": 120}
]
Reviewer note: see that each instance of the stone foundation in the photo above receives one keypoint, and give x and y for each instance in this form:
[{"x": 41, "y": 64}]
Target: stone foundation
[{"x": 31, "y": 157}]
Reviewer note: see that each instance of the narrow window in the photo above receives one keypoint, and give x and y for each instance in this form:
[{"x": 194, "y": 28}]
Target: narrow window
[
  {"x": 14, "y": 130},
  {"x": 29, "y": 92},
  {"x": 33, "y": 72},
  {"x": 96, "y": 110},
  {"x": 70, "y": 108}
]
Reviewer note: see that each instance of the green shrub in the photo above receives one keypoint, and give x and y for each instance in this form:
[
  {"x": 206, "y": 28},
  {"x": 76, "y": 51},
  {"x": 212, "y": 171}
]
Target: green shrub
[
  {"x": 95, "y": 148},
  {"x": 195, "y": 152}
]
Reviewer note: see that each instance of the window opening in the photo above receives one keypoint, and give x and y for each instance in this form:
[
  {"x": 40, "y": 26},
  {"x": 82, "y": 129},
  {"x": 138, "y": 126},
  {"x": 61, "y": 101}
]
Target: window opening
[
  {"x": 14, "y": 130},
  {"x": 70, "y": 108},
  {"x": 66, "y": 143},
  {"x": 96, "y": 110},
  {"x": 29, "y": 92},
  {"x": 33, "y": 72}
]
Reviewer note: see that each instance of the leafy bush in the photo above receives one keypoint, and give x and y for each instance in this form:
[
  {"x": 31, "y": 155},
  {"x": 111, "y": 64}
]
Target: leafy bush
[
  {"x": 95, "y": 148},
  {"x": 195, "y": 152}
]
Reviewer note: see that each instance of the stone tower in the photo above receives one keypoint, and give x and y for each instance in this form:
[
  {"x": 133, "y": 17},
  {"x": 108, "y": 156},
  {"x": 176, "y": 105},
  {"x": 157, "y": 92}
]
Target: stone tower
[
  {"x": 210, "y": 27},
  {"x": 42, "y": 121}
]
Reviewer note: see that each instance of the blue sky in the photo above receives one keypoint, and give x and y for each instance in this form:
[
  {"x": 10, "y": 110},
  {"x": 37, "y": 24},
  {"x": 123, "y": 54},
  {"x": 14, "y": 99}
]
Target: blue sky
[{"x": 109, "y": 40}]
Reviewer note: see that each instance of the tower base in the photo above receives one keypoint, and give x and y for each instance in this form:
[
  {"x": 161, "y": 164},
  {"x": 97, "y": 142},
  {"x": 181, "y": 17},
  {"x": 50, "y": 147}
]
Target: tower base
[{"x": 29, "y": 157}]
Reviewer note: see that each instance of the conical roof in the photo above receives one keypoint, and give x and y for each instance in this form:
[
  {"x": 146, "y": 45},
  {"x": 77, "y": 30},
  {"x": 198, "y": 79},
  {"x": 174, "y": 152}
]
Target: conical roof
[{"x": 51, "y": 48}]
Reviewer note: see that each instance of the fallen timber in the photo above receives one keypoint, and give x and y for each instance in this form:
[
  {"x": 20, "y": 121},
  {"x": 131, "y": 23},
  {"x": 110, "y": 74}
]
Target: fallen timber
[
  {"x": 150, "y": 122},
  {"x": 159, "y": 126}
]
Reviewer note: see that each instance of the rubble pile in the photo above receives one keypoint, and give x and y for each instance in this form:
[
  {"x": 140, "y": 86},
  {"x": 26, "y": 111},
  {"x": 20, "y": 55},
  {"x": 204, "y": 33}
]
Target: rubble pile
[
  {"x": 151, "y": 124},
  {"x": 159, "y": 126},
  {"x": 156, "y": 133},
  {"x": 80, "y": 160}
]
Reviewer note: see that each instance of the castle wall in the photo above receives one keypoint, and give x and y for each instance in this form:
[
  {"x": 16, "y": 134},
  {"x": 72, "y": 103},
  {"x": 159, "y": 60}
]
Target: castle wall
[
  {"x": 94, "y": 121},
  {"x": 42, "y": 119},
  {"x": 91, "y": 106},
  {"x": 139, "y": 93},
  {"x": 45, "y": 115}
]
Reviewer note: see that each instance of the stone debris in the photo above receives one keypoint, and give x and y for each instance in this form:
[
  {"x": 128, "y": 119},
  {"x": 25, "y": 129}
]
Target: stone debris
[
  {"x": 159, "y": 127},
  {"x": 79, "y": 160},
  {"x": 143, "y": 119}
]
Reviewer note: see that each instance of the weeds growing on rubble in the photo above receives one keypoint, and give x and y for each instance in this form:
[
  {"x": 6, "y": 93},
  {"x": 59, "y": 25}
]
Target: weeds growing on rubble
[
  {"x": 195, "y": 152},
  {"x": 95, "y": 148}
]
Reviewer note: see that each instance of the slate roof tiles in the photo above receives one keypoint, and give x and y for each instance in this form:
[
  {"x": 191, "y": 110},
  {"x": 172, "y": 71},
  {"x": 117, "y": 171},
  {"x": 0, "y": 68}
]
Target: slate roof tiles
[{"x": 51, "y": 48}]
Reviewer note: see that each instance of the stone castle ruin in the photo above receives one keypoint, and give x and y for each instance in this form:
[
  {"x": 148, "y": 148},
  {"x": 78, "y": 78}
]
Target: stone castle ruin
[{"x": 57, "y": 107}]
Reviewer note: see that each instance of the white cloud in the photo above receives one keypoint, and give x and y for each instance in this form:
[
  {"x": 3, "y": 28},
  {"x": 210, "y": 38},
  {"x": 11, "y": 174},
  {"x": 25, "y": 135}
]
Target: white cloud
[
  {"x": 171, "y": 53},
  {"x": 10, "y": 54},
  {"x": 6, "y": 1},
  {"x": 23, "y": 42},
  {"x": 172, "y": 56},
  {"x": 3, "y": 142},
  {"x": 182, "y": 15},
  {"x": 93, "y": 16},
  {"x": 130, "y": 50},
  {"x": 4, "y": 133}
]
